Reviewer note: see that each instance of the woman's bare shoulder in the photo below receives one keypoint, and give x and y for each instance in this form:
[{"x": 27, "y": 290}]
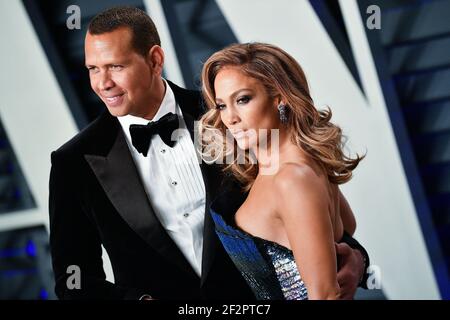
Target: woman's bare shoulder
[
  {"x": 297, "y": 175},
  {"x": 297, "y": 186}
]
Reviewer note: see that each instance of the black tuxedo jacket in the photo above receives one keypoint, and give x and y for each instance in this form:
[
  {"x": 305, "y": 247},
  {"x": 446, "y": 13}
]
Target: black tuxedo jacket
[{"x": 97, "y": 197}]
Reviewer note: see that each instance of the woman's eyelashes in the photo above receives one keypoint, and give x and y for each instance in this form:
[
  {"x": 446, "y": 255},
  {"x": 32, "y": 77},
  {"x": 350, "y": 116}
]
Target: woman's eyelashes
[
  {"x": 239, "y": 101},
  {"x": 220, "y": 107},
  {"x": 243, "y": 99}
]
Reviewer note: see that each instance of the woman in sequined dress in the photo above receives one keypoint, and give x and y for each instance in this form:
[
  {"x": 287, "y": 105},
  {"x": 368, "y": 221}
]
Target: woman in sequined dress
[{"x": 287, "y": 156}]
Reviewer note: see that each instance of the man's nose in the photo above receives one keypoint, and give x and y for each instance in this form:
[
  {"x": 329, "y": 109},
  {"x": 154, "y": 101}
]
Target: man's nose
[{"x": 106, "y": 82}]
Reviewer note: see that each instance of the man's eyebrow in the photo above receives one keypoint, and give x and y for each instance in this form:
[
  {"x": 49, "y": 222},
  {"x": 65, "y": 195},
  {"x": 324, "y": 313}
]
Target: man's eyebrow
[{"x": 124, "y": 62}]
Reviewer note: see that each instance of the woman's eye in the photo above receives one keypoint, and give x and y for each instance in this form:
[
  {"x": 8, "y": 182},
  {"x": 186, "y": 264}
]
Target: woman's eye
[
  {"x": 243, "y": 100},
  {"x": 220, "y": 107}
]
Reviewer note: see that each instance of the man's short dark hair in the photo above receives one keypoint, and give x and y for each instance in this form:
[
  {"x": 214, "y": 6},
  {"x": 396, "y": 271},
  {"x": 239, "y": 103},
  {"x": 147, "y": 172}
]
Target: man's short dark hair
[{"x": 144, "y": 33}]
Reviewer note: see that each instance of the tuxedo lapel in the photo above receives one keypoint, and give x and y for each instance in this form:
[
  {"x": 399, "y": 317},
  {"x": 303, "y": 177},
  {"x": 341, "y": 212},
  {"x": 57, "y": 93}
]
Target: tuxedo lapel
[{"x": 118, "y": 175}]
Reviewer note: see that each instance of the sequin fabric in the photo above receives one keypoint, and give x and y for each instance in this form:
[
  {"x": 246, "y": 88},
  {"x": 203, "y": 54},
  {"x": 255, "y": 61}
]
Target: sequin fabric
[
  {"x": 289, "y": 278},
  {"x": 268, "y": 267}
]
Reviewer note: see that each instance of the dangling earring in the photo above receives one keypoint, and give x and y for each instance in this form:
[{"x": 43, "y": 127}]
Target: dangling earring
[{"x": 283, "y": 111}]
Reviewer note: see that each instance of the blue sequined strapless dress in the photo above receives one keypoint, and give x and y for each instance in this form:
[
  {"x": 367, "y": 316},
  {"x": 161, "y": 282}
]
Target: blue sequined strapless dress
[{"x": 268, "y": 267}]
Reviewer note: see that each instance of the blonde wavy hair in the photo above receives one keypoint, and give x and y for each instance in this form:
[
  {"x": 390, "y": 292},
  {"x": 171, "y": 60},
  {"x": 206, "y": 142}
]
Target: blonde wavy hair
[{"x": 282, "y": 77}]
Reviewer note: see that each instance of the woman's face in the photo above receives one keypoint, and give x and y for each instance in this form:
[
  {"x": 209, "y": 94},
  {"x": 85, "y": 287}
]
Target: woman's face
[{"x": 245, "y": 107}]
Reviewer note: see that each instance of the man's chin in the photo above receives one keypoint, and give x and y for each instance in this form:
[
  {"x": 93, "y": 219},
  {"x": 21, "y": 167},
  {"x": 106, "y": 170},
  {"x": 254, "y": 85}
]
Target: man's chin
[{"x": 117, "y": 111}]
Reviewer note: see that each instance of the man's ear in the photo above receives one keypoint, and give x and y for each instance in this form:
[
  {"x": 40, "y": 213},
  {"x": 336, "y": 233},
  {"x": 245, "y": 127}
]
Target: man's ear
[{"x": 155, "y": 59}]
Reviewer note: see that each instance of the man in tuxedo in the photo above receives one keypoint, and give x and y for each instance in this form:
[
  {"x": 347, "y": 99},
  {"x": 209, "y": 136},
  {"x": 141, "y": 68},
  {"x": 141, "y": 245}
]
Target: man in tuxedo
[{"x": 125, "y": 184}]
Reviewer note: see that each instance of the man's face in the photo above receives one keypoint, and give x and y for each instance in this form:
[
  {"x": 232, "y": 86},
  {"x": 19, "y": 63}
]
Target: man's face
[{"x": 121, "y": 77}]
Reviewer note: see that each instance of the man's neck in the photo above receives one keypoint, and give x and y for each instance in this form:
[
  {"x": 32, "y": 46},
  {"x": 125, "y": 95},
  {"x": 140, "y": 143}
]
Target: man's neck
[{"x": 160, "y": 88}]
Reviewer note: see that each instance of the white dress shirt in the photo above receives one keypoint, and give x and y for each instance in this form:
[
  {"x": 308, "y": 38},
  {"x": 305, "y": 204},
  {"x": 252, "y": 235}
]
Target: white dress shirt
[{"x": 173, "y": 182}]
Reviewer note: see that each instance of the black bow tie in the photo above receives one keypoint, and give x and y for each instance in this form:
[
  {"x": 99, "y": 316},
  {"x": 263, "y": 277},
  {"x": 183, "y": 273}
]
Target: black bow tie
[{"x": 142, "y": 134}]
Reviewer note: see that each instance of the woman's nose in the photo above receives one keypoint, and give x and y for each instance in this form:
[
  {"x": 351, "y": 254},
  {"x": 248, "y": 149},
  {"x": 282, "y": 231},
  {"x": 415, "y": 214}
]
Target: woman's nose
[{"x": 231, "y": 117}]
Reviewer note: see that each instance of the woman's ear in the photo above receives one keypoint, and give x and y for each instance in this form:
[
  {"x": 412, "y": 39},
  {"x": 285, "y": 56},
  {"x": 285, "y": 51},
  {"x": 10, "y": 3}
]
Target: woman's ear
[
  {"x": 155, "y": 59},
  {"x": 278, "y": 100}
]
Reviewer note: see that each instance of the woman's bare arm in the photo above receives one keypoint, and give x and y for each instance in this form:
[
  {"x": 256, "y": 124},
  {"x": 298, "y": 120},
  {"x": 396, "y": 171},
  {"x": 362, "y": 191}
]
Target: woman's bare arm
[
  {"x": 348, "y": 219},
  {"x": 302, "y": 203}
]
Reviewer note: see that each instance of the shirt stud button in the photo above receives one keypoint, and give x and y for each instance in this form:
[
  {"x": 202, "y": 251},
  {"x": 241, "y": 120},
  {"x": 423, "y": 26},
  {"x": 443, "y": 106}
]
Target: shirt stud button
[
  {"x": 186, "y": 215},
  {"x": 163, "y": 150},
  {"x": 174, "y": 183}
]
